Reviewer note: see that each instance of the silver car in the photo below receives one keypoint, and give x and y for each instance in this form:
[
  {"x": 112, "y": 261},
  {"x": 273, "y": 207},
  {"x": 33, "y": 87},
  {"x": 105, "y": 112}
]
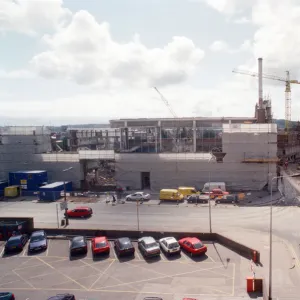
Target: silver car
[
  {"x": 148, "y": 246},
  {"x": 140, "y": 196}
]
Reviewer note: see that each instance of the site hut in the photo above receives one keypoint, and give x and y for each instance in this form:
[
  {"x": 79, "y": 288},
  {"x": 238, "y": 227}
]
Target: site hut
[
  {"x": 53, "y": 191},
  {"x": 29, "y": 181}
]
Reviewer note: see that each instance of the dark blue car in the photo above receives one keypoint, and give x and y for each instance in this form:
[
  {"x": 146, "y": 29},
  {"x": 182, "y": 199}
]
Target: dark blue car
[
  {"x": 7, "y": 296},
  {"x": 16, "y": 243},
  {"x": 38, "y": 241}
]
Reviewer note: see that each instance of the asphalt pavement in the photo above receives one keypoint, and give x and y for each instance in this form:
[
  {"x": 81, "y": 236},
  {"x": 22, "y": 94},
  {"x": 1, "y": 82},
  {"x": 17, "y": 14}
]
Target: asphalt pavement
[{"x": 249, "y": 225}]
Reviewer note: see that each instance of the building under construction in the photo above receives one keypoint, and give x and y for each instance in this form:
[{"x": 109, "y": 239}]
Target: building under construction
[{"x": 156, "y": 153}]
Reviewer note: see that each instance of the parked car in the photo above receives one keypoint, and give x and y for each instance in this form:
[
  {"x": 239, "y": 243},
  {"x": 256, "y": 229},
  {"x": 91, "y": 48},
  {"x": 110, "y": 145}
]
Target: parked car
[
  {"x": 62, "y": 297},
  {"x": 38, "y": 241},
  {"x": 216, "y": 193},
  {"x": 7, "y": 296},
  {"x": 123, "y": 246},
  {"x": 193, "y": 246},
  {"x": 78, "y": 245},
  {"x": 16, "y": 243},
  {"x": 198, "y": 199},
  {"x": 148, "y": 246},
  {"x": 169, "y": 245},
  {"x": 138, "y": 196},
  {"x": 100, "y": 245},
  {"x": 228, "y": 199},
  {"x": 80, "y": 212}
]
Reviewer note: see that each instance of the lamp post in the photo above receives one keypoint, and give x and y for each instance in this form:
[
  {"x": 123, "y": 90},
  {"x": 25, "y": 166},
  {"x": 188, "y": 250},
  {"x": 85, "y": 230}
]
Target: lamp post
[
  {"x": 209, "y": 205},
  {"x": 138, "y": 214},
  {"x": 271, "y": 236},
  {"x": 65, "y": 197}
]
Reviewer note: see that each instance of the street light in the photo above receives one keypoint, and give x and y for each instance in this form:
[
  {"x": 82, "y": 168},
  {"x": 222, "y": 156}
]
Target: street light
[
  {"x": 209, "y": 205},
  {"x": 271, "y": 235},
  {"x": 65, "y": 196}
]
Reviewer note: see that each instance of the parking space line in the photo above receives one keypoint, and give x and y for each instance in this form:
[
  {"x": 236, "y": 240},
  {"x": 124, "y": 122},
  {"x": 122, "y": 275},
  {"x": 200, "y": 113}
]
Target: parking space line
[
  {"x": 162, "y": 256},
  {"x": 211, "y": 258},
  {"x": 113, "y": 250},
  {"x": 104, "y": 272},
  {"x": 137, "y": 253},
  {"x": 2, "y": 251},
  {"x": 23, "y": 279},
  {"x": 141, "y": 267},
  {"x": 184, "y": 256},
  {"x": 100, "y": 274},
  {"x": 164, "y": 276},
  {"x": 47, "y": 251},
  {"x": 233, "y": 280},
  {"x": 58, "y": 271},
  {"x": 24, "y": 251}
]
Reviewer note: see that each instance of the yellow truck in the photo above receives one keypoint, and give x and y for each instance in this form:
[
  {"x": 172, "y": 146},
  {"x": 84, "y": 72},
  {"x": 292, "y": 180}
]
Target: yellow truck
[
  {"x": 188, "y": 191},
  {"x": 170, "y": 195}
]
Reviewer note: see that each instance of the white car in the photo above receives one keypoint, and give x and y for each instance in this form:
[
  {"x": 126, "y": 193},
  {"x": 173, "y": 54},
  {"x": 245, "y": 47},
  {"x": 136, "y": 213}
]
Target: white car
[
  {"x": 169, "y": 245},
  {"x": 138, "y": 196}
]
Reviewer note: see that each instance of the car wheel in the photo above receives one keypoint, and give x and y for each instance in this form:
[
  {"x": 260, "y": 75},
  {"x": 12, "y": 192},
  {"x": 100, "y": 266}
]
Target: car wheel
[
  {"x": 203, "y": 201},
  {"x": 128, "y": 199},
  {"x": 191, "y": 254},
  {"x": 218, "y": 201}
]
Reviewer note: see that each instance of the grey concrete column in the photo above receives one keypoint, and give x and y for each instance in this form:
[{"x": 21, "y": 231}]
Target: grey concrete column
[
  {"x": 126, "y": 139},
  {"x": 160, "y": 138},
  {"x": 194, "y": 137},
  {"x": 156, "y": 142},
  {"x": 121, "y": 138}
]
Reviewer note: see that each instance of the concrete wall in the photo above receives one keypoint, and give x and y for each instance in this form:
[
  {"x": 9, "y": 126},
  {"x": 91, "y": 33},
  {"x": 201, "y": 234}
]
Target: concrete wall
[{"x": 171, "y": 174}]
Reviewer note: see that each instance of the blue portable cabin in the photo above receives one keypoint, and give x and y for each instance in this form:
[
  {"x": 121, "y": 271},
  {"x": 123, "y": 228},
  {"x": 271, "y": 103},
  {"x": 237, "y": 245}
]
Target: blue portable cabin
[
  {"x": 52, "y": 191},
  {"x": 28, "y": 180},
  {"x": 3, "y": 185}
]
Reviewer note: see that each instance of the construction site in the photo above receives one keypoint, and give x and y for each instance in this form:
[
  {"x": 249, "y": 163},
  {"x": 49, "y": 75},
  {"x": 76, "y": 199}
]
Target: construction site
[{"x": 160, "y": 153}]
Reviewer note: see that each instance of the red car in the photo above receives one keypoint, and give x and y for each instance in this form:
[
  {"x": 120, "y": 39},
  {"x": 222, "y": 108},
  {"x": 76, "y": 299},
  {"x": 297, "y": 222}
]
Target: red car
[
  {"x": 100, "y": 245},
  {"x": 80, "y": 212},
  {"x": 192, "y": 245}
]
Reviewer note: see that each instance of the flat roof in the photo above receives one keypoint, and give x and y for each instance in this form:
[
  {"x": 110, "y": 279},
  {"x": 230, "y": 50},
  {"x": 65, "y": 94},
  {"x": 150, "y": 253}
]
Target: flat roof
[
  {"x": 187, "y": 119},
  {"x": 54, "y": 184}
]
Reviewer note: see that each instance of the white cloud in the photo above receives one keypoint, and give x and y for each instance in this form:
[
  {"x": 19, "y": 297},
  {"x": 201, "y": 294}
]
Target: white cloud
[
  {"x": 242, "y": 20},
  {"x": 218, "y": 46},
  {"x": 222, "y": 46},
  {"x": 229, "y": 7},
  {"x": 84, "y": 51},
  {"x": 16, "y": 74},
  {"x": 30, "y": 17}
]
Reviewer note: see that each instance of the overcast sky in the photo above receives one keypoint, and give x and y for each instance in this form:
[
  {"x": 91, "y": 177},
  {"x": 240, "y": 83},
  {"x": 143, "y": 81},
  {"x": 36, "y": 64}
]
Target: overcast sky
[{"x": 89, "y": 61}]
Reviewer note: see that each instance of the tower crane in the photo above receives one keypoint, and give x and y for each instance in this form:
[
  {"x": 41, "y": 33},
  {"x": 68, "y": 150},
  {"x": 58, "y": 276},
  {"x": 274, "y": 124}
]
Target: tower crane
[
  {"x": 288, "y": 83},
  {"x": 166, "y": 102}
]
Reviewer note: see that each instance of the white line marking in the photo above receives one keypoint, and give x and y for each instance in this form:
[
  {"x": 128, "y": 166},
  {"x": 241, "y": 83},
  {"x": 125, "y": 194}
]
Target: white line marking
[
  {"x": 137, "y": 253},
  {"x": 162, "y": 255},
  {"x": 184, "y": 255},
  {"x": 211, "y": 258},
  {"x": 2, "y": 251},
  {"x": 47, "y": 251},
  {"x": 112, "y": 249},
  {"x": 24, "y": 251}
]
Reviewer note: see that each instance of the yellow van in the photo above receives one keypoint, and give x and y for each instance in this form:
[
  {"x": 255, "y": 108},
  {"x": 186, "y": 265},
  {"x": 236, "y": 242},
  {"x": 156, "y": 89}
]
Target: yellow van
[
  {"x": 170, "y": 194},
  {"x": 187, "y": 191}
]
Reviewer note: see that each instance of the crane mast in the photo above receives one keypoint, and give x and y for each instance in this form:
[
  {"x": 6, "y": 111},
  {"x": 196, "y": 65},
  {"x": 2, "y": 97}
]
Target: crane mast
[
  {"x": 288, "y": 99},
  {"x": 166, "y": 103}
]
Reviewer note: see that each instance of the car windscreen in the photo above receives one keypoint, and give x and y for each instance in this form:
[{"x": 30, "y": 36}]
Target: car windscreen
[
  {"x": 14, "y": 242},
  {"x": 198, "y": 245},
  {"x": 37, "y": 238},
  {"x": 125, "y": 245},
  {"x": 173, "y": 245},
  {"x": 77, "y": 243},
  {"x": 100, "y": 244},
  {"x": 151, "y": 245}
]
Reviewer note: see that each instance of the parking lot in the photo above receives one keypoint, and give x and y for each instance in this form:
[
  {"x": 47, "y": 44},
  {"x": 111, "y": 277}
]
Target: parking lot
[{"x": 50, "y": 272}]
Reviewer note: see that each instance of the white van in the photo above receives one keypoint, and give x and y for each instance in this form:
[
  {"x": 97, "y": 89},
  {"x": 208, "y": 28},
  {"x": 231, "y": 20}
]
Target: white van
[{"x": 209, "y": 186}]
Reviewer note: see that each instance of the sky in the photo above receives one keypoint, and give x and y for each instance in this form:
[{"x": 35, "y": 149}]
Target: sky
[{"x": 91, "y": 61}]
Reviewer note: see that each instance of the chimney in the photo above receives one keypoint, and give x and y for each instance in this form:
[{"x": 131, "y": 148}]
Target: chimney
[{"x": 260, "y": 83}]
